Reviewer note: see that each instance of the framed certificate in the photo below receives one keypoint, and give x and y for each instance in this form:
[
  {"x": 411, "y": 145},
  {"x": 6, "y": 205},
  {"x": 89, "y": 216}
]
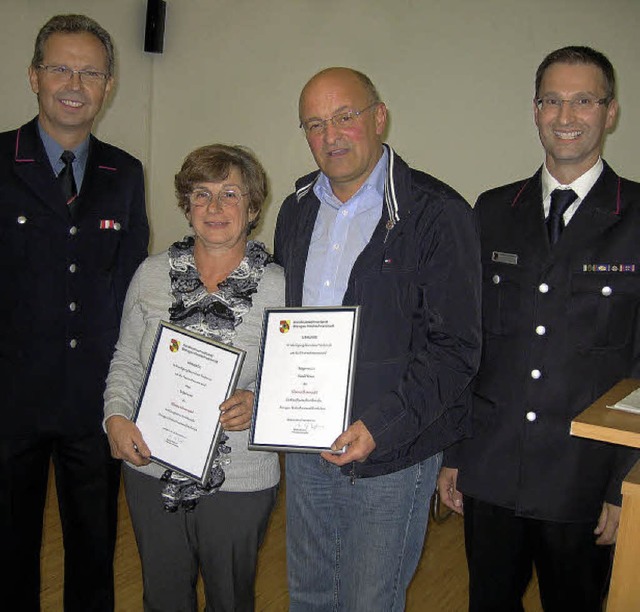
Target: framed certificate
[
  {"x": 305, "y": 378},
  {"x": 187, "y": 378}
]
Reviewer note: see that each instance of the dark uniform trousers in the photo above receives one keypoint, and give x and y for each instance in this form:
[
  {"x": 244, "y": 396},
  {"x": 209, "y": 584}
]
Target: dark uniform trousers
[
  {"x": 500, "y": 547},
  {"x": 87, "y": 481},
  {"x": 65, "y": 275}
]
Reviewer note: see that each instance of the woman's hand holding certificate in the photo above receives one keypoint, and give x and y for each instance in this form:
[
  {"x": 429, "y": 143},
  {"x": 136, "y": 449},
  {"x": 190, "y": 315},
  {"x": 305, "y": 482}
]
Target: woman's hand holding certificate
[
  {"x": 126, "y": 441},
  {"x": 237, "y": 411},
  {"x": 189, "y": 379}
]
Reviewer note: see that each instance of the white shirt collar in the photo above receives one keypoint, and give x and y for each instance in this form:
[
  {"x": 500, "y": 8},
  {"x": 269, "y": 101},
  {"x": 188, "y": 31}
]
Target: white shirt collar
[{"x": 582, "y": 185}]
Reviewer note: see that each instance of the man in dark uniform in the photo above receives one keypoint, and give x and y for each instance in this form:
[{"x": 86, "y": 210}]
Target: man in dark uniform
[
  {"x": 561, "y": 323},
  {"x": 74, "y": 229}
]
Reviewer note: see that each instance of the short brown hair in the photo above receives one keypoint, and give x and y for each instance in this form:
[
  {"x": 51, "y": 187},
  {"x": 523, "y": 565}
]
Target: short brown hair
[
  {"x": 212, "y": 164},
  {"x": 580, "y": 55},
  {"x": 73, "y": 24}
]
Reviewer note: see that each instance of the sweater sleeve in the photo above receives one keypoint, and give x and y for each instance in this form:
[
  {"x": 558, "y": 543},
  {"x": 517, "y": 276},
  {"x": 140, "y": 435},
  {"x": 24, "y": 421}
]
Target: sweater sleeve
[{"x": 126, "y": 371}]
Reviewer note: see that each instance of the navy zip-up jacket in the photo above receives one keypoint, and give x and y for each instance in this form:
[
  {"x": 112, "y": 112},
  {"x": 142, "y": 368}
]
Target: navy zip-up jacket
[{"x": 418, "y": 284}]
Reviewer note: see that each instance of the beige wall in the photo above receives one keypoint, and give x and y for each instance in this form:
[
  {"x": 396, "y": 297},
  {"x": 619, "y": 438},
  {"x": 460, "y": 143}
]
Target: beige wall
[{"x": 456, "y": 75}]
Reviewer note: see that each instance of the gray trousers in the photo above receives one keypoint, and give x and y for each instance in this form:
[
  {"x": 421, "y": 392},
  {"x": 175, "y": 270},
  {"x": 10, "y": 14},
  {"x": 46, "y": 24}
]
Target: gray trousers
[{"x": 220, "y": 538}]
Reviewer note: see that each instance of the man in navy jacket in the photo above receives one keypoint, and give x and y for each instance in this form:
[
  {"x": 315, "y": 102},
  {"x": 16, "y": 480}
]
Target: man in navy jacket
[
  {"x": 561, "y": 325},
  {"x": 73, "y": 232},
  {"x": 368, "y": 230}
]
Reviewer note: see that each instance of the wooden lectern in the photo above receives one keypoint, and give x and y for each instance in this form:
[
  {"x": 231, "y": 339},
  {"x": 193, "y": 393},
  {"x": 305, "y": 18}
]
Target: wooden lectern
[{"x": 601, "y": 423}]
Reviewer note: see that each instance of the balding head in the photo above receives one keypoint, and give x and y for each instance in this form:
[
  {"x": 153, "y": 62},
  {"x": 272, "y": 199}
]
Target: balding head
[
  {"x": 337, "y": 73},
  {"x": 343, "y": 118}
]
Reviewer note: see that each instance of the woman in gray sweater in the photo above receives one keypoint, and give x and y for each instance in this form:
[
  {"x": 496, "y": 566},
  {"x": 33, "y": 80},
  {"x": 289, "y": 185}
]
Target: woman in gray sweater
[{"x": 216, "y": 283}]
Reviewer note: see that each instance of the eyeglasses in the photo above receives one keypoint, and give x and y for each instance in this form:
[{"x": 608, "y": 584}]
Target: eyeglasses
[
  {"x": 64, "y": 73},
  {"x": 226, "y": 198},
  {"x": 580, "y": 104},
  {"x": 339, "y": 121}
]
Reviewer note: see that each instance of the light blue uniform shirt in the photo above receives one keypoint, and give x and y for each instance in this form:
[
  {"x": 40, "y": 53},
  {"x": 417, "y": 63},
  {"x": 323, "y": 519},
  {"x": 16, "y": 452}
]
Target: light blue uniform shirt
[
  {"x": 54, "y": 151},
  {"x": 340, "y": 234}
]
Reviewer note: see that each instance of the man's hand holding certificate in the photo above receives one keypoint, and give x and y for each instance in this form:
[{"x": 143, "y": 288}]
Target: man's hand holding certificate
[{"x": 305, "y": 378}]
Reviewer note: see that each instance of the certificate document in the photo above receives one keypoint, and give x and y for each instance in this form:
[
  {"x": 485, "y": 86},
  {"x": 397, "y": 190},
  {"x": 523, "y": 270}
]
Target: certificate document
[
  {"x": 305, "y": 378},
  {"x": 187, "y": 378}
]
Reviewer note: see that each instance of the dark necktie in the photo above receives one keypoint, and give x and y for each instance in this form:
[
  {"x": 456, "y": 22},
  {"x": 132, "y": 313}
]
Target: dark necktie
[
  {"x": 561, "y": 199},
  {"x": 66, "y": 180}
]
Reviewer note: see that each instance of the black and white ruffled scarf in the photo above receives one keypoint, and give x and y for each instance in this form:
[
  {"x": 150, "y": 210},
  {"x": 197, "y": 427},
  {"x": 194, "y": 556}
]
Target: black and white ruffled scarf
[{"x": 214, "y": 315}]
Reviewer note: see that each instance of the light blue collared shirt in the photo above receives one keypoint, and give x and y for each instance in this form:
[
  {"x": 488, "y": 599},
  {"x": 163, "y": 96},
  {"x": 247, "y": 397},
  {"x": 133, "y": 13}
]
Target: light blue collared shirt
[
  {"x": 341, "y": 232},
  {"x": 54, "y": 151}
]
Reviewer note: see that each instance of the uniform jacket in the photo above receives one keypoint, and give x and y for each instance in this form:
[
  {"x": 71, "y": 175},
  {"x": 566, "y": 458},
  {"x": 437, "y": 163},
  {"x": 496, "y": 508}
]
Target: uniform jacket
[
  {"x": 560, "y": 327},
  {"x": 64, "y": 281},
  {"x": 418, "y": 285}
]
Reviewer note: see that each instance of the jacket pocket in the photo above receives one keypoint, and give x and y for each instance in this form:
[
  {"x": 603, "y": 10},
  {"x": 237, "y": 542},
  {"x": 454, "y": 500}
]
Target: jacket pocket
[
  {"x": 603, "y": 309},
  {"x": 103, "y": 238},
  {"x": 501, "y": 295}
]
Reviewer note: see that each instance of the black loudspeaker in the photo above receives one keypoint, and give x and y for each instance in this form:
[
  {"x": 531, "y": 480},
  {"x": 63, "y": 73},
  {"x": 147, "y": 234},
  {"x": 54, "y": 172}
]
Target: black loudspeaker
[{"x": 154, "y": 31}]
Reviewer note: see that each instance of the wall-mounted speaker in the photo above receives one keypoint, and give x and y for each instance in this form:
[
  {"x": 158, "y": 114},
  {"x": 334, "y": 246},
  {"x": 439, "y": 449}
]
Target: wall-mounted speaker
[{"x": 154, "y": 30}]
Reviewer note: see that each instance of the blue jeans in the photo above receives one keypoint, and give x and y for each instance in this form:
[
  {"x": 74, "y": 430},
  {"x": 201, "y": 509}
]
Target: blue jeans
[{"x": 354, "y": 547}]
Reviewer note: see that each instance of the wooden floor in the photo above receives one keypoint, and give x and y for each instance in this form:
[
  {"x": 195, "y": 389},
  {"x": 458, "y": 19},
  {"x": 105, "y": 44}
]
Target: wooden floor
[{"x": 440, "y": 584}]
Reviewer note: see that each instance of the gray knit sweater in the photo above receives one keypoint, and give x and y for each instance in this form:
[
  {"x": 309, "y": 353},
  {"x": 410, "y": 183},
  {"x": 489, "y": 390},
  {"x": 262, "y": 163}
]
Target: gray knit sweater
[{"x": 148, "y": 300}]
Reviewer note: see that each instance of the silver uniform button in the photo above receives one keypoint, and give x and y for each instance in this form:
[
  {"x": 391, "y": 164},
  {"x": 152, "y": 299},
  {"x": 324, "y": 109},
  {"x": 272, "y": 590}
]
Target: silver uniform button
[
  {"x": 496, "y": 279},
  {"x": 543, "y": 288},
  {"x": 22, "y": 219},
  {"x": 73, "y": 343},
  {"x": 73, "y": 268},
  {"x": 73, "y": 230},
  {"x": 541, "y": 330},
  {"x": 72, "y": 306},
  {"x": 531, "y": 416},
  {"x": 116, "y": 226},
  {"x": 535, "y": 374},
  {"x": 606, "y": 291}
]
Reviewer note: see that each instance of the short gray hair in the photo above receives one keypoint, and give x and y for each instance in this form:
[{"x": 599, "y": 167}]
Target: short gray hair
[{"x": 73, "y": 24}]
